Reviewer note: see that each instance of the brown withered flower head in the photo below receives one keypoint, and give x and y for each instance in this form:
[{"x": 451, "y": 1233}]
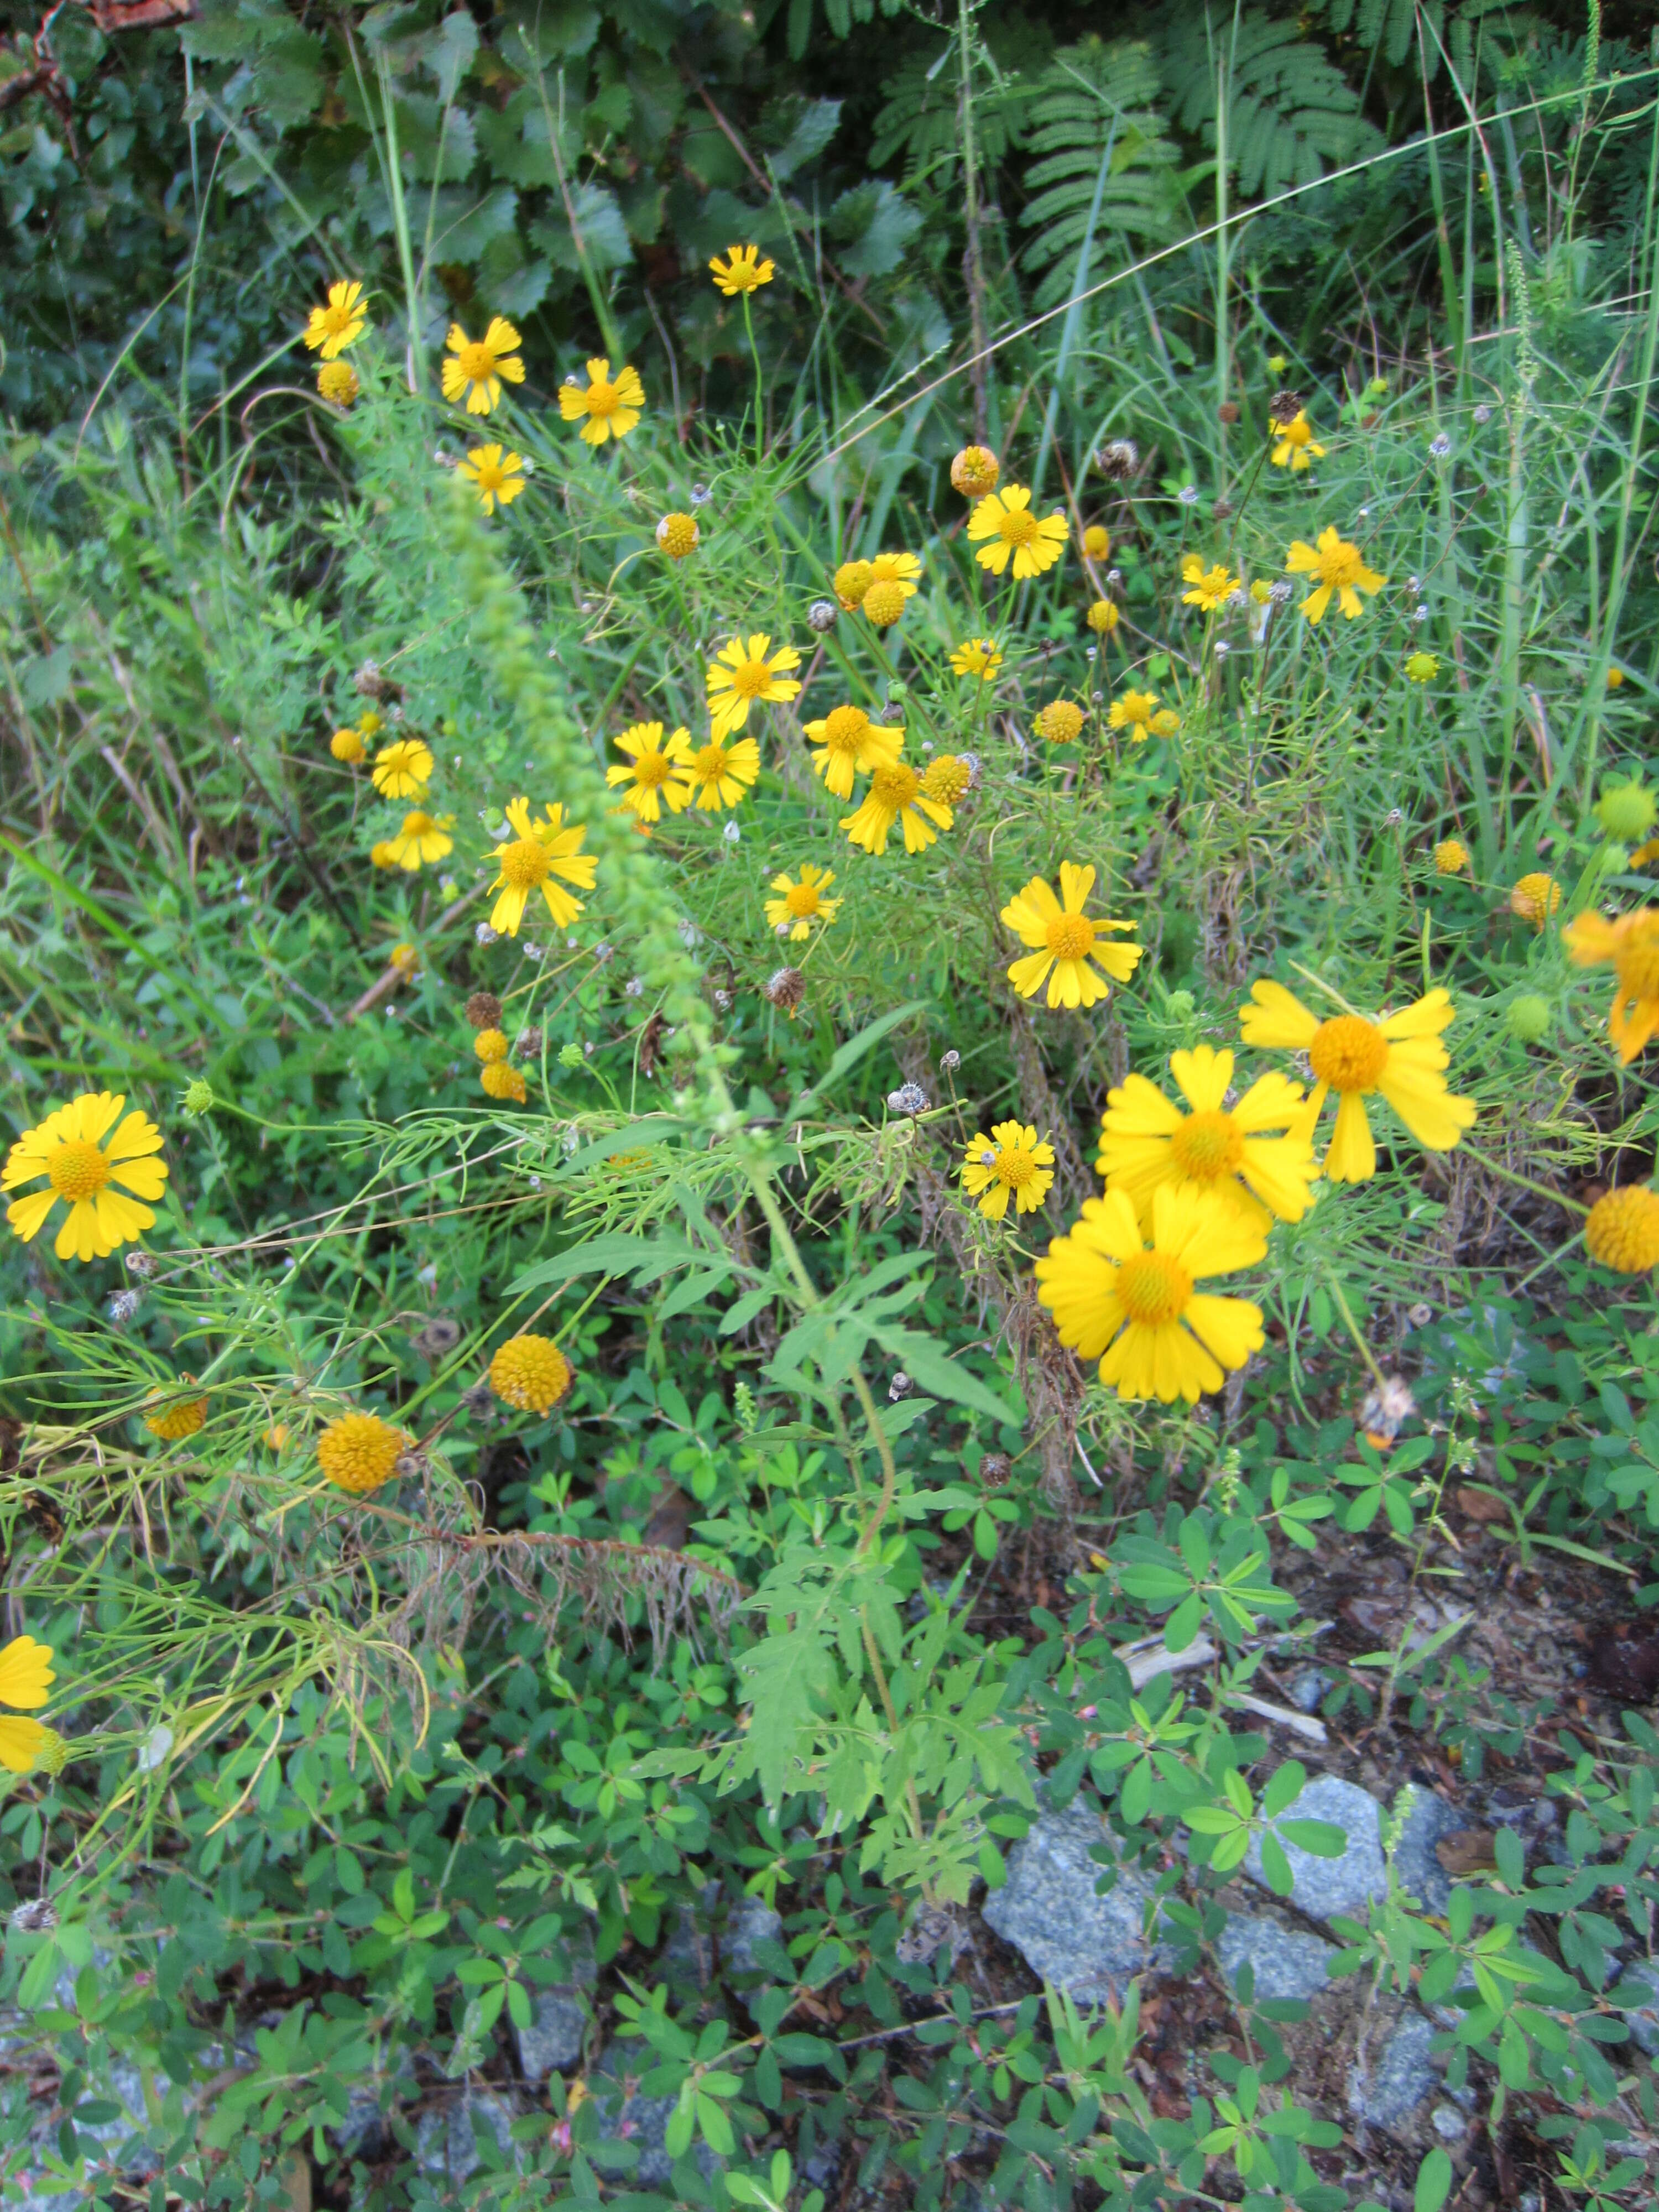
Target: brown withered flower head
[
  {"x": 786, "y": 987},
  {"x": 484, "y": 1011},
  {"x": 1284, "y": 407}
]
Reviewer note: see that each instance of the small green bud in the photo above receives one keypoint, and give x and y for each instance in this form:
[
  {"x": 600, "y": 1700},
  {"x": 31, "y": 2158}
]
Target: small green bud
[
  {"x": 1628, "y": 812},
  {"x": 198, "y": 1099},
  {"x": 898, "y": 690},
  {"x": 748, "y": 1413},
  {"x": 572, "y": 1055},
  {"x": 1528, "y": 1018},
  {"x": 1183, "y": 1005}
]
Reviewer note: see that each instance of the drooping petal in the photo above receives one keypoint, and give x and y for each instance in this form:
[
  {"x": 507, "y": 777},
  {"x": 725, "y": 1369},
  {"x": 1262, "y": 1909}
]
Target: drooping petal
[
  {"x": 1353, "y": 1156},
  {"x": 1276, "y": 1019},
  {"x": 1432, "y": 1114},
  {"x": 21, "y": 1742},
  {"x": 25, "y": 1672},
  {"x": 89, "y": 1117},
  {"x": 1139, "y": 1109},
  {"x": 1280, "y": 1171},
  {"x": 136, "y": 1135},
  {"x": 25, "y": 1215},
  {"x": 1229, "y": 1328}
]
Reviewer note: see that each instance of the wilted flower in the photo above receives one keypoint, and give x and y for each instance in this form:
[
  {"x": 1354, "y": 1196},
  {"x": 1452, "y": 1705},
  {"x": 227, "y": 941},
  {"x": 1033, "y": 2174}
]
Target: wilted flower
[
  {"x": 910, "y": 1098},
  {"x": 822, "y": 615},
  {"x": 1118, "y": 459}
]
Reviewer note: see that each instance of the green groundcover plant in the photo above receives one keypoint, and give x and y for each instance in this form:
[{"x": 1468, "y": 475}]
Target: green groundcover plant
[{"x": 733, "y": 1133}]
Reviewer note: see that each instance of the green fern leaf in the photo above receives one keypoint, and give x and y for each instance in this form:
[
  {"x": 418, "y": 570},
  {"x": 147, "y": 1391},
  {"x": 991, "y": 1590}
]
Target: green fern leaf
[{"x": 1290, "y": 113}]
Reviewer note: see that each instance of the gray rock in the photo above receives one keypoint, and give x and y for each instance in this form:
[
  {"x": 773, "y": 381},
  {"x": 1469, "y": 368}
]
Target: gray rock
[
  {"x": 640, "y": 2120},
  {"x": 1399, "y": 2077},
  {"x": 1049, "y": 1912},
  {"x": 1430, "y": 1819},
  {"x": 364, "y": 2127},
  {"x": 1637, "y": 1995},
  {"x": 687, "y": 1959},
  {"x": 1307, "y": 1688},
  {"x": 1448, "y": 2123},
  {"x": 558, "y": 2026},
  {"x": 1322, "y": 1887},
  {"x": 446, "y": 2144},
  {"x": 753, "y": 1922},
  {"x": 1288, "y": 1961}
]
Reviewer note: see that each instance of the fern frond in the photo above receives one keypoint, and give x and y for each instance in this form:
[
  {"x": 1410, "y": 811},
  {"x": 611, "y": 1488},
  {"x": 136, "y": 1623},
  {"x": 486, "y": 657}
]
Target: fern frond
[{"x": 1291, "y": 113}]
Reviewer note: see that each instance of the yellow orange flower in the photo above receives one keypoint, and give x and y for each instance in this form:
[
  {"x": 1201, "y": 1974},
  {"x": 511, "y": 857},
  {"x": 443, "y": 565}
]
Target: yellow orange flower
[
  {"x": 652, "y": 770},
  {"x": 402, "y": 769},
  {"x": 1451, "y": 856},
  {"x": 1296, "y": 446},
  {"x": 1341, "y": 571},
  {"x": 1066, "y": 941},
  {"x": 801, "y": 903},
  {"x": 606, "y": 407},
  {"x": 474, "y": 368},
  {"x": 850, "y": 583},
  {"x": 529, "y": 861},
  {"x": 977, "y": 656},
  {"x": 1009, "y": 1162},
  {"x": 1103, "y": 616},
  {"x": 1238, "y": 1150},
  {"x": 347, "y": 745},
  {"x": 677, "y": 535},
  {"x": 423, "y": 839},
  {"x": 108, "y": 1188},
  {"x": 1061, "y": 722},
  {"x": 848, "y": 740},
  {"x": 497, "y": 477},
  {"x": 740, "y": 677},
  {"x": 743, "y": 270},
  {"x": 974, "y": 471},
  {"x": 1535, "y": 897},
  {"x": 1004, "y": 519},
  {"x": 1137, "y": 714},
  {"x": 25, "y": 1677},
  {"x": 1631, "y": 944},
  {"x": 720, "y": 774},
  {"x": 1136, "y": 1307},
  {"x": 1621, "y": 1233},
  {"x": 530, "y": 1373},
  {"x": 336, "y": 382},
  {"x": 359, "y": 1451},
  {"x": 1207, "y": 586},
  {"x": 896, "y": 795},
  {"x": 1096, "y": 542},
  {"x": 501, "y": 1080},
  {"x": 1399, "y": 1058},
  {"x": 331, "y": 329}
]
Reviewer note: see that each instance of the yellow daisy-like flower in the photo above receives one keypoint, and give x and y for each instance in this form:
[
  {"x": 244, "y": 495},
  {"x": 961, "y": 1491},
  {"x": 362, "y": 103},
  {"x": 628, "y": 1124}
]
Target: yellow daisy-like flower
[
  {"x": 799, "y": 904},
  {"x": 903, "y": 569},
  {"x": 677, "y": 535},
  {"x": 948, "y": 778},
  {"x": 977, "y": 656},
  {"x": 1621, "y": 1233},
  {"x": 1096, "y": 542},
  {"x": 1146, "y": 1141},
  {"x": 359, "y": 1451},
  {"x": 1103, "y": 616},
  {"x": 974, "y": 471},
  {"x": 1422, "y": 667},
  {"x": 1535, "y": 897},
  {"x": 402, "y": 769},
  {"x": 530, "y": 1373},
  {"x": 720, "y": 774},
  {"x": 896, "y": 795},
  {"x": 502, "y": 1081},
  {"x": 1061, "y": 722},
  {"x": 1451, "y": 856},
  {"x": 175, "y": 1418},
  {"x": 740, "y": 676},
  {"x": 743, "y": 270},
  {"x": 528, "y": 862},
  {"x": 497, "y": 477},
  {"x": 1341, "y": 574},
  {"x": 474, "y": 368},
  {"x": 1005, "y": 519},
  {"x": 1632, "y": 944},
  {"x": 1010, "y": 1161},
  {"x": 1400, "y": 1058},
  {"x": 423, "y": 839},
  {"x": 1136, "y": 713},
  {"x": 612, "y": 406},
  {"x": 336, "y": 382},
  {"x": 25, "y": 1677},
  {"x": 347, "y": 745},
  {"x": 107, "y": 1188},
  {"x": 330, "y": 330},
  {"x": 847, "y": 741},
  {"x": 1208, "y": 586},
  {"x": 381, "y": 855},
  {"x": 1136, "y": 1306},
  {"x": 652, "y": 770},
  {"x": 1296, "y": 446},
  {"x": 1066, "y": 940}
]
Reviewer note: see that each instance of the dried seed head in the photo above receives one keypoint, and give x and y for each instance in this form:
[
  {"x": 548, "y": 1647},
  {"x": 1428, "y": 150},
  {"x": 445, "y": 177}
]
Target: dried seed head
[
  {"x": 995, "y": 1469},
  {"x": 784, "y": 988},
  {"x": 438, "y": 1333},
  {"x": 123, "y": 1306},
  {"x": 528, "y": 1043},
  {"x": 822, "y": 615},
  {"x": 484, "y": 1011},
  {"x": 409, "y": 1464},
  {"x": 478, "y": 1403},
  {"x": 1228, "y": 411},
  {"x": 33, "y": 1918},
  {"x": 950, "y": 1061},
  {"x": 1118, "y": 460},
  {"x": 141, "y": 1265},
  {"x": 900, "y": 1387},
  {"x": 1284, "y": 407},
  {"x": 910, "y": 1098},
  {"x": 369, "y": 681}
]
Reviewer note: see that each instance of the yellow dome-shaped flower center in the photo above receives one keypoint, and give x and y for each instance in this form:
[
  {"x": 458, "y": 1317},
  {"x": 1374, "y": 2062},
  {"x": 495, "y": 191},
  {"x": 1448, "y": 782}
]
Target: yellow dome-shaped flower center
[
  {"x": 1348, "y": 1054},
  {"x": 77, "y": 1170},
  {"x": 1153, "y": 1288},
  {"x": 1208, "y": 1145},
  {"x": 750, "y": 677},
  {"x": 1070, "y": 936},
  {"x": 844, "y": 728},
  {"x": 602, "y": 399},
  {"x": 418, "y": 826},
  {"x": 894, "y": 785},
  {"x": 524, "y": 864},
  {"x": 1637, "y": 965},
  {"x": 476, "y": 362},
  {"x": 802, "y": 899},
  {"x": 652, "y": 768},
  {"x": 1015, "y": 1169},
  {"x": 1019, "y": 527},
  {"x": 709, "y": 764},
  {"x": 1337, "y": 565},
  {"x": 1622, "y": 1231}
]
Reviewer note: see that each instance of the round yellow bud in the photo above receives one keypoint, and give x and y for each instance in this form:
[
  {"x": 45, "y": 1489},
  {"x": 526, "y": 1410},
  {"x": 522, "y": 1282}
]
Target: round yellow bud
[
  {"x": 503, "y": 1081},
  {"x": 974, "y": 471},
  {"x": 346, "y": 745},
  {"x": 530, "y": 1373},
  {"x": 884, "y": 604},
  {"x": 1451, "y": 857},
  {"x": 1623, "y": 1230},
  {"x": 676, "y": 534},
  {"x": 336, "y": 382},
  {"x": 1103, "y": 618},
  {"x": 852, "y": 581},
  {"x": 490, "y": 1044},
  {"x": 1061, "y": 722},
  {"x": 359, "y": 1451},
  {"x": 1536, "y": 898}
]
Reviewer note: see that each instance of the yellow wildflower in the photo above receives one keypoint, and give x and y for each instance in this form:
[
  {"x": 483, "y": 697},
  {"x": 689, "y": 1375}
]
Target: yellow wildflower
[
  {"x": 108, "y": 1188},
  {"x": 1066, "y": 940},
  {"x": 743, "y": 270},
  {"x": 527, "y": 862},
  {"x": 497, "y": 477},
  {"x": 799, "y": 904},
  {"x": 1341, "y": 571},
  {"x": 652, "y": 770},
  {"x": 1005, "y": 519},
  {"x": 1010, "y": 1161},
  {"x": 611, "y": 406},
  {"x": 1297, "y": 445},
  {"x": 740, "y": 676},
  {"x": 332, "y": 329},
  {"x": 474, "y": 367}
]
